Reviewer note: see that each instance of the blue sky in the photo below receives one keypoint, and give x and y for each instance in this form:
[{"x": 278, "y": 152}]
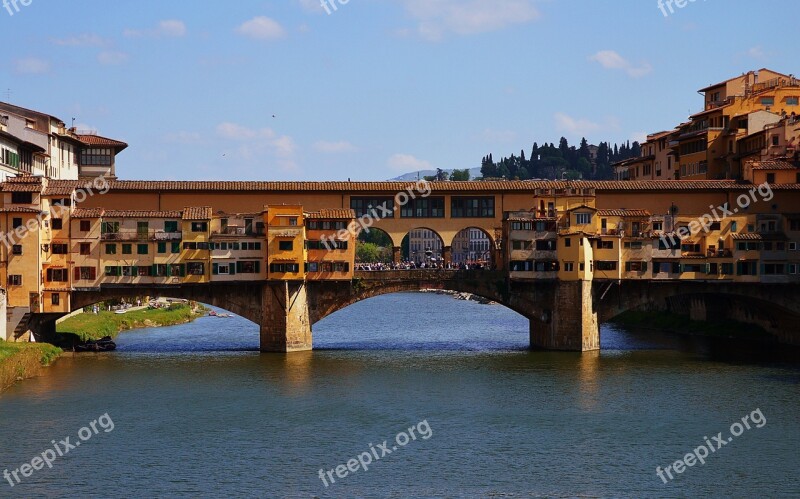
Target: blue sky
[{"x": 281, "y": 90}]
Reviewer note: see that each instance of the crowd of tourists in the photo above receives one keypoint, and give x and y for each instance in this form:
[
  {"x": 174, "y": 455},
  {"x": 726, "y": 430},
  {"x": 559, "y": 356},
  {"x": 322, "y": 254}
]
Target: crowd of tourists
[{"x": 411, "y": 265}]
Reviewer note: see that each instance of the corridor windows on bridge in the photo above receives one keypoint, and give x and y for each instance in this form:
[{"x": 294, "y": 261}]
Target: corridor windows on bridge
[
  {"x": 376, "y": 207},
  {"x": 432, "y": 207},
  {"x": 195, "y": 268},
  {"x": 57, "y": 275},
  {"x": 472, "y": 207}
]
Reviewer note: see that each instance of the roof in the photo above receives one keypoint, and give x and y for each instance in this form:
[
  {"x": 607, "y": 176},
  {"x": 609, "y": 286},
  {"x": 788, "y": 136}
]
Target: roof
[
  {"x": 773, "y": 164},
  {"x": 513, "y": 218},
  {"x": 141, "y": 214},
  {"x": 332, "y": 214},
  {"x": 623, "y": 213},
  {"x": 20, "y": 210},
  {"x": 87, "y": 213},
  {"x": 97, "y": 140},
  {"x": 197, "y": 213},
  {"x": 754, "y": 236},
  {"x": 22, "y": 188}
]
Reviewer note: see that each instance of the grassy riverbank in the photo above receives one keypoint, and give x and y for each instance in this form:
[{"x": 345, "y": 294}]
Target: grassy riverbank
[
  {"x": 90, "y": 326},
  {"x": 662, "y": 321},
  {"x": 20, "y": 361}
]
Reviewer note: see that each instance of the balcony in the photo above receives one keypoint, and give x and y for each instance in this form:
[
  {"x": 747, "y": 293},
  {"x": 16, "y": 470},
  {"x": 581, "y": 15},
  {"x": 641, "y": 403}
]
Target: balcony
[
  {"x": 142, "y": 235},
  {"x": 233, "y": 231}
]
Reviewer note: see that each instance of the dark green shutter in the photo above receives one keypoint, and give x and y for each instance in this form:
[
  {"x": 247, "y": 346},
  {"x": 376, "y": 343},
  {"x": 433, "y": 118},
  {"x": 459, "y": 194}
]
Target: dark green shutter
[
  {"x": 234, "y": 268},
  {"x": 214, "y": 269}
]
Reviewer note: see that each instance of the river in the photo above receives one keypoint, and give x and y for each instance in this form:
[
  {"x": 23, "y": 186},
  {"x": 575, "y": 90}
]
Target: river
[{"x": 195, "y": 411}]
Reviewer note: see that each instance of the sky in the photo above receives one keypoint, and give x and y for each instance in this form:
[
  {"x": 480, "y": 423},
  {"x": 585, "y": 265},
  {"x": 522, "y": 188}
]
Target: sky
[{"x": 371, "y": 89}]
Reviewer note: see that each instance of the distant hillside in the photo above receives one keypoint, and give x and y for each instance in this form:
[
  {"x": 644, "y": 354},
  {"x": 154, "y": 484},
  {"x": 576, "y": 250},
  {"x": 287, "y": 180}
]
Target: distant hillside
[{"x": 473, "y": 173}]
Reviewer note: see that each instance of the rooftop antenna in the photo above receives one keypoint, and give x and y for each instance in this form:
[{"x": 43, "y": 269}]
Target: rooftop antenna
[
  {"x": 8, "y": 95},
  {"x": 73, "y": 123}
]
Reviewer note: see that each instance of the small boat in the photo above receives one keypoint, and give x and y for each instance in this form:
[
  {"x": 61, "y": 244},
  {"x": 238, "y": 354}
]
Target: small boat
[
  {"x": 212, "y": 314},
  {"x": 120, "y": 311},
  {"x": 102, "y": 345},
  {"x": 223, "y": 316}
]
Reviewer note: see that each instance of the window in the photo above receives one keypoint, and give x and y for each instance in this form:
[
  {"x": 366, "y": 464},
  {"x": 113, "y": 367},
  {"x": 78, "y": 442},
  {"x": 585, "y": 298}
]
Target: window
[
  {"x": 109, "y": 227},
  {"x": 770, "y": 178},
  {"x": 606, "y": 265},
  {"x": 793, "y": 268},
  {"x": 112, "y": 271},
  {"x": 55, "y": 299},
  {"x": 792, "y": 101},
  {"x": 432, "y": 207},
  {"x": 734, "y": 226},
  {"x": 312, "y": 267},
  {"x": 521, "y": 245},
  {"x": 635, "y": 266},
  {"x": 292, "y": 222},
  {"x": 472, "y": 207},
  {"x": 16, "y": 223},
  {"x": 195, "y": 268},
  {"x": 59, "y": 249},
  {"x": 142, "y": 249},
  {"x": 111, "y": 249},
  {"x": 58, "y": 223},
  {"x": 15, "y": 280},
  {"x": 283, "y": 268},
  {"x": 145, "y": 271},
  {"x": 546, "y": 245},
  {"x": 159, "y": 270},
  {"x": 726, "y": 269},
  {"x": 85, "y": 249},
  {"x": 176, "y": 248},
  {"x": 521, "y": 266},
  {"x": 768, "y": 101},
  {"x": 792, "y": 246},
  {"x": 171, "y": 226},
  {"x": 375, "y": 207},
  {"x": 568, "y": 242},
  {"x": 85, "y": 273},
  {"x": 569, "y": 266},
  {"x": 97, "y": 156},
  {"x": 221, "y": 269},
  {"x": 583, "y": 218},
  {"x": 57, "y": 275},
  {"x": 747, "y": 268},
  {"x": 773, "y": 269},
  {"x": 634, "y": 245},
  {"x": 605, "y": 245},
  {"x": 86, "y": 225},
  {"x": 199, "y": 226},
  {"x": 21, "y": 197},
  {"x": 16, "y": 249},
  {"x": 162, "y": 248},
  {"x": 248, "y": 267},
  {"x": 286, "y": 245},
  {"x": 127, "y": 249}
]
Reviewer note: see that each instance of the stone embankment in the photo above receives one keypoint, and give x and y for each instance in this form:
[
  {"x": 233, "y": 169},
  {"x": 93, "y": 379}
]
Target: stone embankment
[{"x": 461, "y": 296}]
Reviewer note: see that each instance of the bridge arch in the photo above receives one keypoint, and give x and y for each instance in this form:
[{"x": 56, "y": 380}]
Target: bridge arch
[
  {"x": 472, "y": 245},
  {"x": 423, "y": 244}
]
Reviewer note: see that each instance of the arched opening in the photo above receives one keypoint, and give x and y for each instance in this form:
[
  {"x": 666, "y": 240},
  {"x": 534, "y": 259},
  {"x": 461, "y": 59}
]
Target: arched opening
[
  {"x": 374, "y": 246},
  {"x": 471, "y": 247},
  {"x": 423, "y": 247},
  {"x": 155, "y": 324},
  {"x": 416, "y": 321}
]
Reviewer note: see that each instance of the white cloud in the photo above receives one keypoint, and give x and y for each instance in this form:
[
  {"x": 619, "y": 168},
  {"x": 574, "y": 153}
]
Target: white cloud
[
  {"x": 261, "y": 28},
  {"x": 170, "y": 28},
  {"x": 612, "y": 60},
  {"x": 756, "y": 52},
  {"x": 582, "y": 126},
  {"x": 110, "y": 57},
  {"x": 334, "y": 147},
  {"x": 313, "y": 6},
  {"x": 84, "y": 40},
  {"x": 408, "y": 163},
  {"x": 255, "y": 145},
  {"x": 183, "y": 137},
  {"x": 436, "y": 18},
  {"x": 31, "y": 65}
]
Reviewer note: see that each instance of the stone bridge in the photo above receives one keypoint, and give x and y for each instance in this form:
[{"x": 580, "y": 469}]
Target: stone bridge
[{"x": 563, "y": 315}]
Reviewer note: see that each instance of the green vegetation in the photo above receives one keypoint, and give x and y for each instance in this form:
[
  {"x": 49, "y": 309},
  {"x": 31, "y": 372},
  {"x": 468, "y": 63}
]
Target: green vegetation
[
  {"x": 24, "y": 360},
  {"x": 89, "y": 326},
  {"x": 681, "y": 324}
]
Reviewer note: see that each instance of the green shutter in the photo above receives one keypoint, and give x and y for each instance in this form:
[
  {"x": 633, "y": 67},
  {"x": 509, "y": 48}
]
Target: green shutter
[
  {"x": 258, "y": 267},
  {"x": 644, "y": 267},
  {"x": 233, "y": 268},
  {"x": 214, "y": 269}
]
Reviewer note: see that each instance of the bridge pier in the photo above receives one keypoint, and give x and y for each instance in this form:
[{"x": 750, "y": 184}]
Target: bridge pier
[
  {"x": 571, "y": 325},
  {"x": 285, "y": 322},
  {"x": 397, "y": 254}
]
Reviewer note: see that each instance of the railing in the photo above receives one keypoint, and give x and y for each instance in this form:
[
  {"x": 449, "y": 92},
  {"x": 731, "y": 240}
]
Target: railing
[{"x": 141, "y": 235}]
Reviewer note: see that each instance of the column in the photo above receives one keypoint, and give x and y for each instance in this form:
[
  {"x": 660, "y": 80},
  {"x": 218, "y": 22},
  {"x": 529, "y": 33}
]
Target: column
[
  {"x": 285, "y": 323},
  {"x": 571, "y": 323}
]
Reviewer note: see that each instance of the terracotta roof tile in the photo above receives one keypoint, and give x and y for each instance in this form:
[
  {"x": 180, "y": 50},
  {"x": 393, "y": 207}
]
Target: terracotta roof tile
[
  {"x": 197, "y": 213},
  {"x": 141, "y": 214},
  {"x": 19, "y": 210},
  {"x": 332, "y": 214},
  {"x": 773, "y": 164},
  {"x": 751, "y": 236},
  {"x": 97, "y": 140},
  {"x": 624, "y": 213},
  {"x": 87, "y": 213},
  {"x": 22, "y": 188}
]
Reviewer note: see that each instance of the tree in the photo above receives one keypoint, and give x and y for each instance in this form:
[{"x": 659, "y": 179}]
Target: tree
[
  {"x": 460, "y": 175},
  {"x": 368, "y": 253}
]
